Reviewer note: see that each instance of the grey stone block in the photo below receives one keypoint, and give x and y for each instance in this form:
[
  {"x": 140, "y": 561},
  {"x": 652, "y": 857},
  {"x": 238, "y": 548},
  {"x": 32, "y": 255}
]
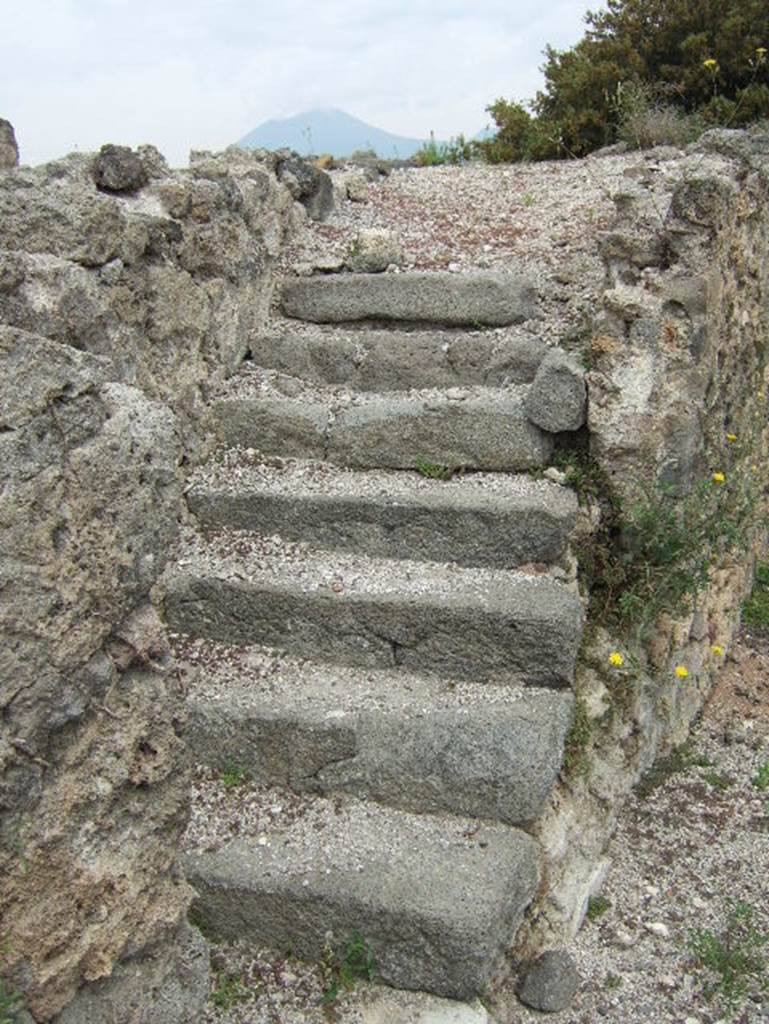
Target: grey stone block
[
  {"x": 291, "y": 427},
  {"x": 405, "y": 518},
  {"x": 486, "y": 430},
  {"x": 557, "y": 399},
  {"x": 500, "y": 625},
  {"x": 368, "y": 360},
  {"x": 407, "y": 744},
  {"x": 439, "y": 298},
  {"x": 435, "y": 904},
  {"x": 551, "y": 982}
]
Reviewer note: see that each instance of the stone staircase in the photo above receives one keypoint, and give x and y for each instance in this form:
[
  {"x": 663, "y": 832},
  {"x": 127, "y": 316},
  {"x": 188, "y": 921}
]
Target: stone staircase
[{"x": 404, "y": 646}]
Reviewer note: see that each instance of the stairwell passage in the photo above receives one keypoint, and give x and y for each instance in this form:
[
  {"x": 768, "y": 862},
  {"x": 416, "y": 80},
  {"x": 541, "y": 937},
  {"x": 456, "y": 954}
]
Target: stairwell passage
[{"x": 391, "y": 653}]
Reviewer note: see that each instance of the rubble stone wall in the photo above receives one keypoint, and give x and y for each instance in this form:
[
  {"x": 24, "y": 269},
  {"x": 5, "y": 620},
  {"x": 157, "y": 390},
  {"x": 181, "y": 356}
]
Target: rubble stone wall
[
  {"x": 119, "y": 305},
  {"x": 677, "y": 392}
]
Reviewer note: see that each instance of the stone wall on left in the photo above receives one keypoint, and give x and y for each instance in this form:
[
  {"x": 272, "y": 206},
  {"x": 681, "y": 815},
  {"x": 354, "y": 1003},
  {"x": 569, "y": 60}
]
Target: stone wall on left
[{"x": 126, "y": 289}]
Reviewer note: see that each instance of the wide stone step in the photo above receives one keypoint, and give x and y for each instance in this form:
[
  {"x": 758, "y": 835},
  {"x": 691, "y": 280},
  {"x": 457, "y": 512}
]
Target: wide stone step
[
  {"x": 497, "y": 625},
  {"x": 415, "y": 742},
  {"x": 467, "y": 300},
  {"x": 476, "y": 428},
  {"x": 369, "y": 360},
  {"x": 496, "y": 520},
  {"x": 437, "y": 901}
]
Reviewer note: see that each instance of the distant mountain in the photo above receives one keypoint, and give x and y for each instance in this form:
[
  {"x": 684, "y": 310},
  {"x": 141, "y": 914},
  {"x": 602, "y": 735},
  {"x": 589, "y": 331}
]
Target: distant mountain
[{"x": 329, "y": 131}]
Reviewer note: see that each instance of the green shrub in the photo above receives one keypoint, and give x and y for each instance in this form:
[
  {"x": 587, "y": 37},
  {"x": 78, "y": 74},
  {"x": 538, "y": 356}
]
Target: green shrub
[{"x": 696, "y": 55}]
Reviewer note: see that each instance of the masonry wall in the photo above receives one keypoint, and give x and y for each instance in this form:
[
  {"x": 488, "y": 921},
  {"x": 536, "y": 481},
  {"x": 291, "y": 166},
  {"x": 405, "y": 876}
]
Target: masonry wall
[
  {"x": 119, "y": 306},
  {"x": 677, "y": 393}
]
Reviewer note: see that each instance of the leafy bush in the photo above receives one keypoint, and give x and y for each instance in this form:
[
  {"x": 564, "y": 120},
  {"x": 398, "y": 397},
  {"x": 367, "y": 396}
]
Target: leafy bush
[
  {"x": 697, "y": 56},
  {"x": 644, "y": 119}
]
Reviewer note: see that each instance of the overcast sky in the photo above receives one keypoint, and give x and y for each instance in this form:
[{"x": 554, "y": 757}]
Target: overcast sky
[{"x": 200, "y": 74}]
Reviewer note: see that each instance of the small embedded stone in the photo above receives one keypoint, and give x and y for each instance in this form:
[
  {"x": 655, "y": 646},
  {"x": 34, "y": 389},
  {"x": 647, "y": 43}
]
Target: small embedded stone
[
  {"x": 557, "y": 398},
  {"x": 550, "y": 983}
]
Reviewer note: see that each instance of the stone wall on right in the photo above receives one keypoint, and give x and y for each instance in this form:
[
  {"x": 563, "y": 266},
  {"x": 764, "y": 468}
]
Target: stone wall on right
[
  {"x": 678, "y": 354},
  {"x": 677, "y": 420}
]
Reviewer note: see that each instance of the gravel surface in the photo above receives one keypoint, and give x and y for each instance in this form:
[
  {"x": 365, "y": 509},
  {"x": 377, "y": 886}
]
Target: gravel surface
[
  {"x": 242, "y": 674},
  {"x": 540, "y": 219},
  {"x": 245, "y": 556},
  {"x": 237, "y": 469}
]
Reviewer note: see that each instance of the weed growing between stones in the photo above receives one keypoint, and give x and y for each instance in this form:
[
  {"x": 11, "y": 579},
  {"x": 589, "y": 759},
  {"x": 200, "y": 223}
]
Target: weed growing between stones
[
  {"x": 229, "y": 990},
  {"x": 755, "y": 610},
  {"x": 597, "y": 906},
  {"x": 734, "y": 960},
  {"x": 761, "y": 778},
  {"x": 10, "y": 1004},
  {"x": 576, "y": 759},
  {"x": 232, "y": 776},
  {"x": 434, "y": 470},
  {"x": 654, "y": 556},
  {"x": 343, "y": 970}
]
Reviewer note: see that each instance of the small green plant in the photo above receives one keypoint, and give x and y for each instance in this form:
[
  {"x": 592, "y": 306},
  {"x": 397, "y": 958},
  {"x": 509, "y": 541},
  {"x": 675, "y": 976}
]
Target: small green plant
[
  {"x": 576, "y": 759},
  {"x": 761, "y": 778},
  {"x": 678, "y": 760},
  {"x": 344, "y": 970},
  {"x": 10, "y": 1004},
  {"x": 229, "y": 991},
  {"x": 527, "y": 199},
  {"x": 434, "y": 470},
  {"x": 597, "y": 906},
  {"x": 719, "y": 780},
  {"x": 613, "y": 981},
  {"x": 456, "y": 151},
  {"x": 232, "y": 775},
  {"x": 734, "y": 959},
  {"x": 755, "y": 609}
]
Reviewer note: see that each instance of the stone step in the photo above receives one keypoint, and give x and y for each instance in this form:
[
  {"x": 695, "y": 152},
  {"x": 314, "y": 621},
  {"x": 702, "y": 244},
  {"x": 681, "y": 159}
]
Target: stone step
[
  {"x": 369, "y": 360},
  {"x": 474, "y": 427},
  {"x": 419, "y": 743},
  {"x": 437, "y": 901},
  {"x": 497, "y": 520},
  {"x": 466, "y": 300},
  {"x": 480, "y": 624}
]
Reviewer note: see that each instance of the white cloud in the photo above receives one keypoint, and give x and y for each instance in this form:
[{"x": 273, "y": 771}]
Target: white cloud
[{"x": 202, "y": 73}]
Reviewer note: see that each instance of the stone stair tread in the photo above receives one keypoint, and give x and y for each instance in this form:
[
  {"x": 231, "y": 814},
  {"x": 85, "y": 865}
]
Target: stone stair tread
[
  {"x": 437, "y": 899},
  {"x": 475, "y": 426},
  {"x": 436, "y": 297},
  {"x": 241, "y": 587},
  {"x": 494, "y": 519},
  {"x": 236, "y": 470},
  {"x": 392, "y": 360},
  {"x": 408, "y": 740}
]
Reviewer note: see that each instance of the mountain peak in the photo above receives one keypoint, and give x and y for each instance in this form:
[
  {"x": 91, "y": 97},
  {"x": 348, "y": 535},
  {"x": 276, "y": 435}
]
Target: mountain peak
[{"x": 329, "y": 130}]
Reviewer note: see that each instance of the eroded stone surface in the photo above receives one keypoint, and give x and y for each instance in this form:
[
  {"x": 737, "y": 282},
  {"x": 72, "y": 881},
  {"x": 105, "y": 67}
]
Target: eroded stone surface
[
  {"x": 94, "y": 786},
  {"x": 458, "y": 299}
]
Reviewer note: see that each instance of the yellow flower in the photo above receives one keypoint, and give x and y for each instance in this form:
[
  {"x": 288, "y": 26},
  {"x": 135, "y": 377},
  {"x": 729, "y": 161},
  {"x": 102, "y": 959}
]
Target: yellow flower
[
  {"x": 682, "y": 671},
  {"x": 711, "y": 64},
  {"x": 731, "y": 437},
  {"x": 616, "y": 659},
  {"x": 719, "y": 478},
  {"x": 718, "y": 650},
  {"x": 760, "y": 52}
]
